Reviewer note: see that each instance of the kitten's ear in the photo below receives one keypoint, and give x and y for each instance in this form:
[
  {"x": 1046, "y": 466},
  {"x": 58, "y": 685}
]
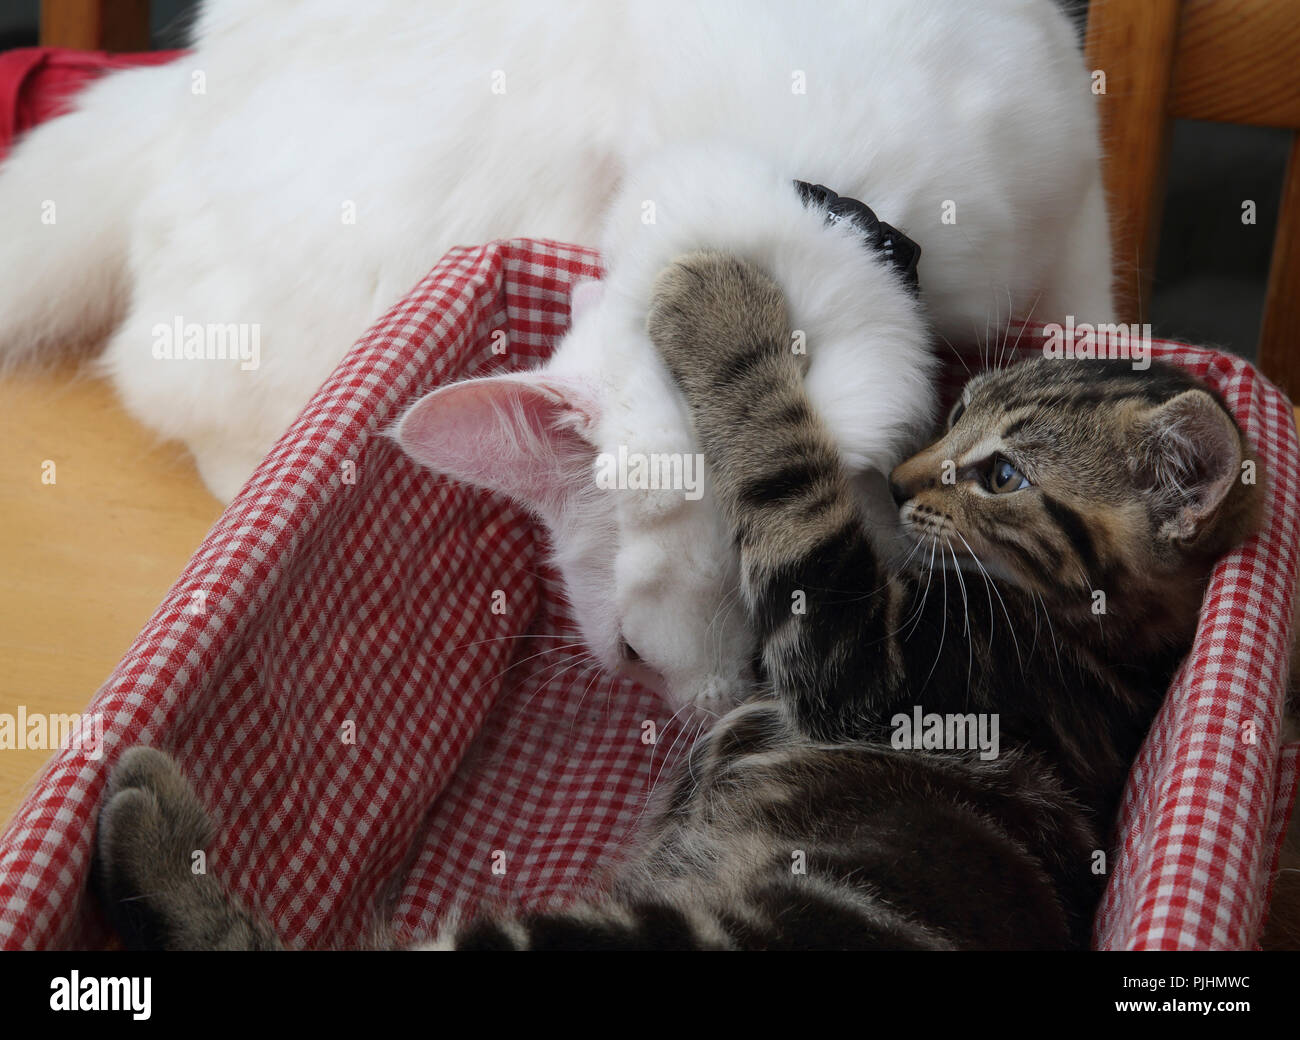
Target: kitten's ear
[
  {"x": 526, "y": 435},
  {"x": 1188, "y": 457}
]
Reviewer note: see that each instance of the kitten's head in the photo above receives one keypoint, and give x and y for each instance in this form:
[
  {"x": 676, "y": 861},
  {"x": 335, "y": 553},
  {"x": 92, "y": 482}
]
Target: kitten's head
[{"x": 1067, "y": 478}]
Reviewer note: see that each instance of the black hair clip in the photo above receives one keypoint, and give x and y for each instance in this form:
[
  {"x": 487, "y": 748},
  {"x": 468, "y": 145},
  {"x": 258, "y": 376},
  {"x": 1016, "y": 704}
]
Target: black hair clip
[{"x": 899, "y": 250}]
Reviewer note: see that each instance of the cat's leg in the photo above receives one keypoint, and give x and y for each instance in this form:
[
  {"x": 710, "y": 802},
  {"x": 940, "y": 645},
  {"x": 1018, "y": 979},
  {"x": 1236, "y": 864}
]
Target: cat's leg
[{"x": 150, "y": 827}]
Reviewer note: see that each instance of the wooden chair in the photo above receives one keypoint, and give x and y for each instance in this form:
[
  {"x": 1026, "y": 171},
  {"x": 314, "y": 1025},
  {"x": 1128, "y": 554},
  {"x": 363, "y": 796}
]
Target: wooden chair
[
  {"x": 95, "y": 25},
  {"x": 1234, "y": 61}
]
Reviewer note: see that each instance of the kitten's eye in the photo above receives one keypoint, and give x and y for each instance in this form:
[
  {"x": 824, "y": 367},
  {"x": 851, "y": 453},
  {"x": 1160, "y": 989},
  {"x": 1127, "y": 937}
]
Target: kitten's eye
[
  {"x": 956, "y": 413},
  {"x": 1004, "y": 478},
  {"x": 629, "y": 652}
]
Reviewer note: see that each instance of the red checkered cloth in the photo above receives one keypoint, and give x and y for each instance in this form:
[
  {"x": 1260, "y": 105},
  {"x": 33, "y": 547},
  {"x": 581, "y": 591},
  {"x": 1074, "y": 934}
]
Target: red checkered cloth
[{"x": 367, "y": 673}]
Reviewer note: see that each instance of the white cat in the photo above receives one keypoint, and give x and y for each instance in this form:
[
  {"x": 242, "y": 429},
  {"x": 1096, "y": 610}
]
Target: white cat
[
  {"x": 310, "y": 161},
  {"x": 652, "y": 569}
]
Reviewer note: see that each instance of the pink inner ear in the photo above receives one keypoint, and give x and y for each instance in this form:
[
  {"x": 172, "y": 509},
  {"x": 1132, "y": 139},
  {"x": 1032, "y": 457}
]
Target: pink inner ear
[
  {"x": 585, "y": 296},
  {"x": 523, "y": 435}
]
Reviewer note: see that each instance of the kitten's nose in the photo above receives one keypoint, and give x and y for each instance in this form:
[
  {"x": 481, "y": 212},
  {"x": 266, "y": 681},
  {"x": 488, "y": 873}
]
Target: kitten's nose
[{"x": 908, "y": 479}]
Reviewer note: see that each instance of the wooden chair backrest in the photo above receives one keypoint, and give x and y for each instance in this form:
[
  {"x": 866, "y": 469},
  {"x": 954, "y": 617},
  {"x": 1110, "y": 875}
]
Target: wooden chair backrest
[{"x": 1233, "y": 61}]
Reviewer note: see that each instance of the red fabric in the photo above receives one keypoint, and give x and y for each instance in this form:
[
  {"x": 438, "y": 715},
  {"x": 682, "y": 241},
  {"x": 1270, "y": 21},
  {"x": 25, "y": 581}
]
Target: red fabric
[
  {"x": 38, "y": 83},
  {"x": 345, "y": 584}
]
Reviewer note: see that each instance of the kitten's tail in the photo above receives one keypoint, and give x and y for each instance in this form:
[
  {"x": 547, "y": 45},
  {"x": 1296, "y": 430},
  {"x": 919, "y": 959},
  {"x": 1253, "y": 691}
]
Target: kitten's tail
[{"x": 68, "y": 193}]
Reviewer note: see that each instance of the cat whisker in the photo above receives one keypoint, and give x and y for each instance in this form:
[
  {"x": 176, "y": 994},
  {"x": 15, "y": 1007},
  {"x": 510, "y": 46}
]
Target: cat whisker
[
  {"x": 965, "y": 614},
  {"x": 1033, "y": 649},
  {"x": 595, "y": 675},
  {"x": 502, "y": 639},
  {"x": 515, "y": 664},
  {"x": 1006, "y": 613},
  {"x": 956, "y": 353},
  {"x": 943, "y": 632},
  {"x": 654, "y": 778},
  {"x": 1027, "y": 319},
  {"x": 1004, "y": 328},
  {"x": 915, "y": 607},
  {"x": 925, "y": 597},
  {"x": 690, "y": 753},
  {"x": 729, "y": 603},
  {"x": 553, "y": 669},
  {"x": 1051, "y": 630}
]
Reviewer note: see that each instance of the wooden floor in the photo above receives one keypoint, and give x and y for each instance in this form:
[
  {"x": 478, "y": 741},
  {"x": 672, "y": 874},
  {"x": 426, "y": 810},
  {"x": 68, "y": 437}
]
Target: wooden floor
[{"x": 84, "y": 560}]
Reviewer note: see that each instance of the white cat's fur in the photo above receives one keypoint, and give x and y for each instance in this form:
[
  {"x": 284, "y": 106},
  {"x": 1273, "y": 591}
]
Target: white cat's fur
[
  {"x": 648, "y": 566},
  {"x": 227, "y": 206}
]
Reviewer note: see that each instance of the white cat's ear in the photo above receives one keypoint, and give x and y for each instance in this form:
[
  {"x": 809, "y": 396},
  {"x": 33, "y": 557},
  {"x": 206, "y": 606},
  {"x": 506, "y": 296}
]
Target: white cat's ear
[
  {"x": 526, "y": 435},
  {"x": 585, "y": 296}
]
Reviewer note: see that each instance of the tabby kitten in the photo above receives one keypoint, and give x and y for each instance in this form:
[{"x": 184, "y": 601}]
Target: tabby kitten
[{"x": 801, "y": 823}]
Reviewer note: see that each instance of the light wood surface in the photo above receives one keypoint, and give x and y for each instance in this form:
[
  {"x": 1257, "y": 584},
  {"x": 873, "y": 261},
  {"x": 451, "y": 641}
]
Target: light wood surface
[{"x": 83, "y": 561}]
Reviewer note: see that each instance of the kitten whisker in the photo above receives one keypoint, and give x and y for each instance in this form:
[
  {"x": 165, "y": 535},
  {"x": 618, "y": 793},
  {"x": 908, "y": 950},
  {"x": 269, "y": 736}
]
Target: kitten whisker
[
  {"x": 1006, "y": 613},
  {"x": 965, "y": 614},
  {"x": 943, "y": 633},
  {"x": 926, "y": 595},
  {"x": 1056, "y": 647},
  {"x": 654, "y": 778},
  {"x": 957, "y": 353},
  {"x": 1027, "y": 318}
]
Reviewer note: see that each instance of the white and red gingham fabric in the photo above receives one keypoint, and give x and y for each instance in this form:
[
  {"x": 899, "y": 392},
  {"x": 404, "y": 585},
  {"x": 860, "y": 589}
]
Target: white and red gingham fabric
[
  {"x": 1209, "y": 796},
  {"x": 366, "y": 671}
]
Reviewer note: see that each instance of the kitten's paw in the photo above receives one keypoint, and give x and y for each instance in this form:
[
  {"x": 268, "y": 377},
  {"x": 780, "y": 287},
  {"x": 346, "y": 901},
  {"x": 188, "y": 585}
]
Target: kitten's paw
[
  {"x": 150, "y": 827},
  {"x": 709, "y": 310}
]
